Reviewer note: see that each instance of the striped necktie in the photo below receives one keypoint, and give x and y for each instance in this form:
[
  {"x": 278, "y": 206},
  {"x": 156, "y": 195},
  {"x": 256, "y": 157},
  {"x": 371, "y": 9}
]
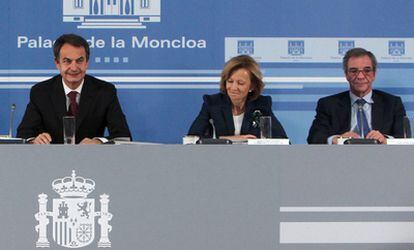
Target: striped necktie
[{"x": 362, "y": 123}]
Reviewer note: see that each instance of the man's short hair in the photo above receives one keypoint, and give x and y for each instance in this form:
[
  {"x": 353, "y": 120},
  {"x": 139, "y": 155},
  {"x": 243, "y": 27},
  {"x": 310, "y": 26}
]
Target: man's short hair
[
  {"x": 358, "y": 52},
  {"x": 72, "y": 39}
]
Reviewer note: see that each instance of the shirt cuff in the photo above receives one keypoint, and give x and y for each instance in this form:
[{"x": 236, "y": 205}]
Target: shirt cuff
[
  {"x": 330, "y": 139},
  {"x": 28, "y": 140}
]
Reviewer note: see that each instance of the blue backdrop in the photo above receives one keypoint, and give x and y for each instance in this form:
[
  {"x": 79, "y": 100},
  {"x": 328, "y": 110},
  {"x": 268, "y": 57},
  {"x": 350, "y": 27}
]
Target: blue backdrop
[{"x": 164, "y": 55}]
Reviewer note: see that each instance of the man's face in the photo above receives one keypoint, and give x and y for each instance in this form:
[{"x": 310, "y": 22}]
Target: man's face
[
  {"x": 72, "y": 65},
  {"x": 360, "y": 75}
]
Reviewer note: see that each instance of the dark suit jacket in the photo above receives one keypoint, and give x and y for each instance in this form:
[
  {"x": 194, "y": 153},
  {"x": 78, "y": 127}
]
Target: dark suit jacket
[
  {"x": 98, "y": 108},
  {"x": 333, "y": 116},
  {"x": 218, "y": 108}
]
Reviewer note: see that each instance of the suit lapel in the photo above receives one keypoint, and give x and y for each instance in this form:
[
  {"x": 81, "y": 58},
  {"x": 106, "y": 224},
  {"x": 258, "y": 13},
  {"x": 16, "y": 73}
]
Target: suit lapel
[
  {"x": 85, "y": 101},
  {"x": 344, "y": 112},
  {"x": 57, "y": 95},
  {"x": 377, "y": 112},
  {"x": 228, "y": 115},
  {"x": 248, "y": 119}
]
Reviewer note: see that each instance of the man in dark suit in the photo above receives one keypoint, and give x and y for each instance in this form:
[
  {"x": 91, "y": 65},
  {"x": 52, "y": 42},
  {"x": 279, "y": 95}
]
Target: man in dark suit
[
  {"x": 93, "y": 102},
  {"x": 360, "y": 112}
]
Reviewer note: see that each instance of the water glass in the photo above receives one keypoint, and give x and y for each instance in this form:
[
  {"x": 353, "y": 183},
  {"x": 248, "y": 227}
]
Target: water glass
[
  {"x": 265, "y": 127},
  {"x": 69, "y": 129}
]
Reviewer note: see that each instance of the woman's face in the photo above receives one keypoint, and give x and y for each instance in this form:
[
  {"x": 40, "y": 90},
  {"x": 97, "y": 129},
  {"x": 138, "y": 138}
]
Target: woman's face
[{"x": 238, "y": 86}]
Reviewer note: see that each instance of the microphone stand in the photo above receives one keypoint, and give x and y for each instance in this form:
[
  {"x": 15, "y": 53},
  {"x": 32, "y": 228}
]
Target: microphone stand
[
  {"x": 211, "y": 121},
  {"x": 12, "y": 109}
]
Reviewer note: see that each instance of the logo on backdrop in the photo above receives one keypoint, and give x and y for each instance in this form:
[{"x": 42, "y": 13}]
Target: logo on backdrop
[
  {"x": 112, "y": 14},
  {"x": 245, "y": 47},
  {"x": 296, "y": 47},
  {"x": 344, "y": 46},
  {"x": 396, "y": 48},
  {"x": 73, "y": 214}
]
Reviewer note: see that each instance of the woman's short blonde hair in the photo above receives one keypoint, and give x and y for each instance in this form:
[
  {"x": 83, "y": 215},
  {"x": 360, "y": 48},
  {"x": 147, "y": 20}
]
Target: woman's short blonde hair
[{"x": 248, "y": 63}]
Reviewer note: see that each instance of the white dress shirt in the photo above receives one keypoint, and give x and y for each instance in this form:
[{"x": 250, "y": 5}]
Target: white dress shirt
[{"x": 238, "y": 120}]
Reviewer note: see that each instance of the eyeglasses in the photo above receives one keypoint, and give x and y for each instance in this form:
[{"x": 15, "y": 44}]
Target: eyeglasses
[{"x": 365, "y": 71}]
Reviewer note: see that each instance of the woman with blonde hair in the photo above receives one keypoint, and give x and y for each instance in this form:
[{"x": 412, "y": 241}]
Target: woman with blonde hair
[{"x": 234, "y": 112}]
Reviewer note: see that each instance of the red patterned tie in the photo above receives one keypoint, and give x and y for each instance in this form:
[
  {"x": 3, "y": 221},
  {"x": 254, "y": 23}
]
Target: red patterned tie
[{"x": 73, "y": 105}]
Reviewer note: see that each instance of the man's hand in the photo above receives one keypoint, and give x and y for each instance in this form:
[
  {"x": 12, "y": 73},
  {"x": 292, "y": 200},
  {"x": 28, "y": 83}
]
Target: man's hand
[
  {"x": 43, "y": 138},
  {"x": 375, "y": 134},
  {"x": 349, "y": 134},
  {"x": 90, "y": 141}
]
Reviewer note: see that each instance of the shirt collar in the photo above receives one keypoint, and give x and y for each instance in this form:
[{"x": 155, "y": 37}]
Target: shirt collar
[
  {"x": 68, "y": 90},
  {"x": 367, "y": 97}
]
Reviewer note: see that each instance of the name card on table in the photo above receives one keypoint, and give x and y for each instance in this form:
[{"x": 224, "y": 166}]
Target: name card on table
[
  {"x": 400, "y": 141},
  {"x": 268, "y": 142}
]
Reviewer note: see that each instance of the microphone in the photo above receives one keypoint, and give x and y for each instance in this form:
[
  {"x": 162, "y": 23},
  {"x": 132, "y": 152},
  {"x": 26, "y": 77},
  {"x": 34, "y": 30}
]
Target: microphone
[
  {"x": 12, "y": 109},
  {"x": 256, "y": 118},
  {"x": 211, "y": 121}
]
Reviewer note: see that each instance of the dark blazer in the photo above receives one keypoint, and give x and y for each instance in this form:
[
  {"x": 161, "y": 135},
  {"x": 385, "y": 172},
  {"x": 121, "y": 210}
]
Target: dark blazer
[
  {"x": 218, "y": 108},
  {"x": 98, "y": 108},
  {"x": 333, "y": 116}
]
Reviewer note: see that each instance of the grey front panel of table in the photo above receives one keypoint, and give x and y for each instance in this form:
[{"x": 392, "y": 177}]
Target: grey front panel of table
[{"x": 209, "y": 197}]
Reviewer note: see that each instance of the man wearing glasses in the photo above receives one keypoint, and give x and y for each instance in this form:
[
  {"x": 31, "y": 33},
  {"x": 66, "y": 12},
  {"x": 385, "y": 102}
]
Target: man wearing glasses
[{"x": 360, "y": 112}]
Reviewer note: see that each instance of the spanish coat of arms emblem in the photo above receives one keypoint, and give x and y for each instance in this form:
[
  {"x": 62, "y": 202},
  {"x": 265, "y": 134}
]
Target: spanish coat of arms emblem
[{"x": 73, "y": 214}]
